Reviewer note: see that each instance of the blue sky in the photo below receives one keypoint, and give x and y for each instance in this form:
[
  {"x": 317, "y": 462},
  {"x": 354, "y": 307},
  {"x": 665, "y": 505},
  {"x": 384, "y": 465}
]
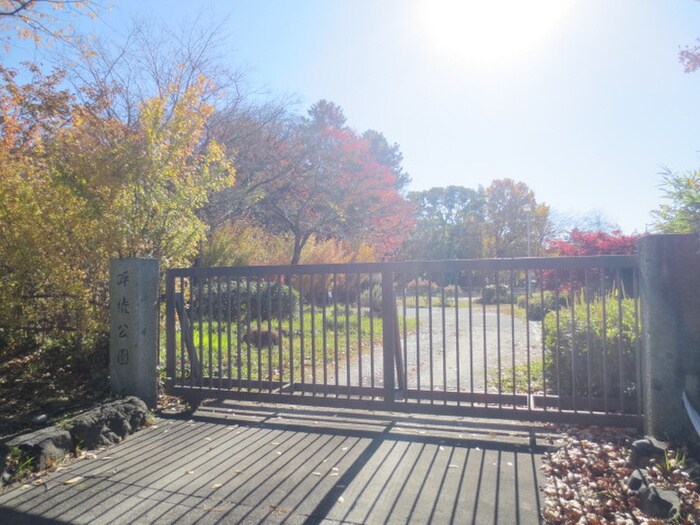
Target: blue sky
[{"x": 583, "y": 100}]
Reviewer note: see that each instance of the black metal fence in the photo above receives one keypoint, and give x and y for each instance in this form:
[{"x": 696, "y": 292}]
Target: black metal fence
[{"x": 542, "y": 339}]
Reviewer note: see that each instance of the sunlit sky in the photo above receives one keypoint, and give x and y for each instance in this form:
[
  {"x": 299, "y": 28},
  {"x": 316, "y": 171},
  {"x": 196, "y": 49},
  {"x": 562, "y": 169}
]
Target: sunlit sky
[{"x": 583, "y": 100}]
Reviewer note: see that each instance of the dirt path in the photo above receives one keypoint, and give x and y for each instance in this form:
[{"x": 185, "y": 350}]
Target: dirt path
[{"x": 471, "y": 354}]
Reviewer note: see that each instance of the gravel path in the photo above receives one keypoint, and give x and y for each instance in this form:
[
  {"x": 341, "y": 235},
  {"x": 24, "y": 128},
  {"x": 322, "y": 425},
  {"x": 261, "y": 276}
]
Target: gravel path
[{"x": 469, "y": 354}]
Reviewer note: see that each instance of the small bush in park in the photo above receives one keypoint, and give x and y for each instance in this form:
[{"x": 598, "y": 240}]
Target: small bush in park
[
  {"x": 538, "y": 304},
  {"x": 492, "y": 294},
  {"x": 273, "y": 300},
  {"x": 421, "y": 286},
  {"x": 448, "y": 298},
  {"x": 590, "y": 348},
  {"x": 239, "y": 299}
]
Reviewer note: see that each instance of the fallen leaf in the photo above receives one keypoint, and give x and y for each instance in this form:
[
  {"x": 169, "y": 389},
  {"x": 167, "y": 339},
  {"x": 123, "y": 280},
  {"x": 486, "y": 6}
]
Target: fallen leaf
[
  {"x": 25, "y": 487},
  {"x": 73, "y": 481}
]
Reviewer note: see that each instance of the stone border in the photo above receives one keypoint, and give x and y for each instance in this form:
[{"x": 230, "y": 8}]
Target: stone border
[{"x": 103, "y": 425}]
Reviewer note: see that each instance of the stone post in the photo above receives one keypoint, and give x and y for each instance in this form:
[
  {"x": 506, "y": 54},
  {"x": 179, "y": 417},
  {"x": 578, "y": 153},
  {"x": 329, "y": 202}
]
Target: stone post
[
  {"x": 669, "y": 275},
  {"x": 133, "y": 342}
]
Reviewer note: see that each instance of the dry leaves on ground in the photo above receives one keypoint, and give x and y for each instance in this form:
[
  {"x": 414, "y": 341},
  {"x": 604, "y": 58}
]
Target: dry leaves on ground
[{"x": 586, "y": 480}]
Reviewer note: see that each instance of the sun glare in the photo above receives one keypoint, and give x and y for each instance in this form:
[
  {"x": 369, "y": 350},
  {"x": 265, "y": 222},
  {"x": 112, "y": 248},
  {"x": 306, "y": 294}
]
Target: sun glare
[{"x": 488, "y": 32}]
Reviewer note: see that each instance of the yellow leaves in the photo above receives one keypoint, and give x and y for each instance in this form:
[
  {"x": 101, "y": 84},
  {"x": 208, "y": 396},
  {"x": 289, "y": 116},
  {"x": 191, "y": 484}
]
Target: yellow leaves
[
  {"x": 39, "y": 21},
  {"x": 75, "y": 194}
]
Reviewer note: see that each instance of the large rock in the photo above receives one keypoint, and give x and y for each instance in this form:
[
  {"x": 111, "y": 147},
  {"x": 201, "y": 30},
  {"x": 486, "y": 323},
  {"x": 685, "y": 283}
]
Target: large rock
[
  {"x": 658, "y": 503},
  {"x": 36, "y": 450},
  {"x": 637, "y": 480},
  {"x": 109, "y": 423},
  {"x": 644, "y": 450}
]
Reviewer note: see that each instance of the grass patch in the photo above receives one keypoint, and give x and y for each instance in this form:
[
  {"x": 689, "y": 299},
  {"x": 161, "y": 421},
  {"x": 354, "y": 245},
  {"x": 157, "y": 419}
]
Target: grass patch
[
  {"x": 520, "y": 381},
  {"x": 284, "y": 350}
]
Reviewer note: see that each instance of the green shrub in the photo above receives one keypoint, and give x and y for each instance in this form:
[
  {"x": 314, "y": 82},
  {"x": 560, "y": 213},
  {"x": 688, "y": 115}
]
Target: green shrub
[
  {"x": 589, "y": 350},
  {"x": 537, "y": 308},
  {"x": 492, "y": 294},
  {"x": 273, "y": 300},
  {"x": 264, "y": 300}
]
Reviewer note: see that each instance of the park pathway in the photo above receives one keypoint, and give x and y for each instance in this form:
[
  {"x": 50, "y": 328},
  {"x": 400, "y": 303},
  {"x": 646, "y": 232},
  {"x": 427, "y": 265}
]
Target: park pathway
[{"x": 479, "y": 345}]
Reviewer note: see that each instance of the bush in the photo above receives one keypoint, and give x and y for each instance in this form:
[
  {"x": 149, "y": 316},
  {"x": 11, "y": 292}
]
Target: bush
[
  {"x": 537, "y": 308},
  {"x": 273, "y": 300},
  {"x": 264, "y": 300},
  {"x": 572, "y": 348},
  {"x": 421, "y": 286},
  {"x": 492, "y": 294}
]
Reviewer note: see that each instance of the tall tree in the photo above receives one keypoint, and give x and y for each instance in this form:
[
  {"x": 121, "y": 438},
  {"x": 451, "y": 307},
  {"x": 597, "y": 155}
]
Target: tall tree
[
  {"x": 151, "y": 61},
  {"x": 324, "y": 114},
  {"x": 388, "y": 155},
  {"x": 514, "y": 220},
  {"x": 449, "y": 222},
  {"x": 316, "y": 178},
  {"x": 681, "y": 214}
]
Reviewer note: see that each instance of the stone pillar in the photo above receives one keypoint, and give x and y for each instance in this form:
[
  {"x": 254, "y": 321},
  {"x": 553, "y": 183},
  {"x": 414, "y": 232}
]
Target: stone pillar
[
  {"x": 133, "y": 342},
  {"x": 669, "y": 275}
]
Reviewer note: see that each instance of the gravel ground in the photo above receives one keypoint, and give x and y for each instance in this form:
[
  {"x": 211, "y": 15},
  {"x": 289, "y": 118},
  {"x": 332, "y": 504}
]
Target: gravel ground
[{"x": 468, "y": 355}]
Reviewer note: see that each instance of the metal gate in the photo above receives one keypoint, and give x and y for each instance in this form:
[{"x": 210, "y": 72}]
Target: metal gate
[{"x": 551, "y": 339}]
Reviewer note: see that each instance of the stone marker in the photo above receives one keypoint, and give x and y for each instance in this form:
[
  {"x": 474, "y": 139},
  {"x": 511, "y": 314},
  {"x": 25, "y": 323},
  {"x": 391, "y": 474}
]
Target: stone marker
[{"x": 133, "y": 351}]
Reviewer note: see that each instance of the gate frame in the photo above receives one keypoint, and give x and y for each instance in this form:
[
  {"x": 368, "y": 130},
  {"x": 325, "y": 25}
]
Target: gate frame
[{"x": 391, "y": 343}]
